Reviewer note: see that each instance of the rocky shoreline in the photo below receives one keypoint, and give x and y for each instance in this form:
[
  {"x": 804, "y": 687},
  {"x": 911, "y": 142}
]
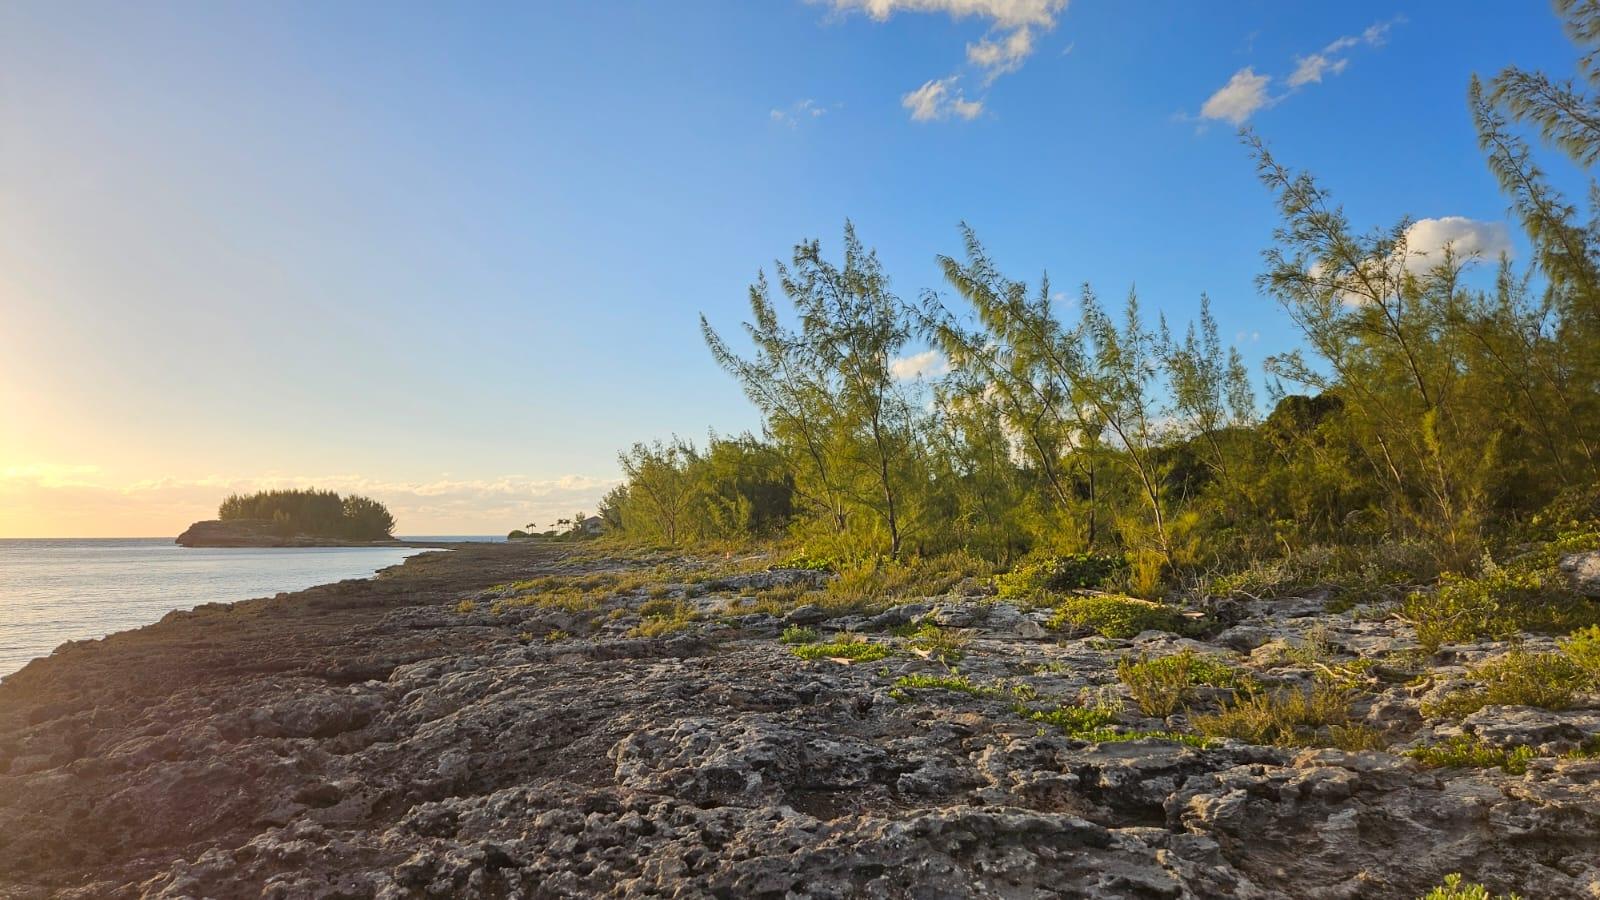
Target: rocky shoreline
[{"x": 523, "y": 720}]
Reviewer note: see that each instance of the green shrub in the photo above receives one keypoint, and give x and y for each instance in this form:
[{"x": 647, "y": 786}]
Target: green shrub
[
  {"x": 1497, "y": 604},
  {"x": 1583, "y": 649},
  {"x": 1161, "y": 685},
  {"x": 1058, "y": 573},
  {"x": 857, "y": 650},
  {"x": 466, "y": 607},
  {"x": 875, "y": 583},
  {"x": 1467, "y": 752},
  {"x": 665, "y": 617},
  {"x": 1455, "y": 888},
  {"x": 1115, "y": 617},
  {"x": 1287, "y": 718},
  {"x": 811, "y": 563},
  {"x": 1519, "y": 678},
  {"x": 799, "y": 634}
]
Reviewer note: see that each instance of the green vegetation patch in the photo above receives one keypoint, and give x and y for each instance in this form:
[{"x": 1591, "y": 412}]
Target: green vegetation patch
[
  {"x": 1467, "y": 752},
  {"x": 1319, "y": 717},
  {"x": 1530, "y": 596},
  {"x": 947, "y": 645},
  {"x": 1583, "y": 649},
  {"x": 857, "y": 650},
  {"x": 1519, "y": 678},
  {"x": 958, "y": 683},
  {"x": 664, "y": 617},
  {"x": 799, "y": 634},
  {"x": 1162, "y": 685},
  {"x": 1116, "y": 617},
  {"x": 1092, "y": 723},
  {"x": 1457, "y": 888},
  {"x": 1056, "y": 574}
]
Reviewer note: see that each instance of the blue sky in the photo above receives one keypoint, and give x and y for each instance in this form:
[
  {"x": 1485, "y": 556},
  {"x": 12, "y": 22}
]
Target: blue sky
[{"x": 453, "y": 254}]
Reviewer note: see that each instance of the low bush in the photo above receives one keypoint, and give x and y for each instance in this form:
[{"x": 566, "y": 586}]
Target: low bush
[
  {"x": 1287, "y": 718},
  {"x": 799, "y": 634},
  {"x": 1457, "y": 888},
  {"x": 1162, "y": 685},
  {"x": 1467, "y": 752},
  {"x": 1358, "y": 574},
  {"x": 876, "y": 583},
  {"x": 1115, "y": 617},
  {"x": 1583, "y": 649},
  {"x": 664, "y": 617},
  {"x": 1519, "y": 678},
  {"x": 1497, "y": 604},
  {"x": 1054, "y": 574},
  {"x": 857, "y": 650},
  {"x": 1073, "y": 720}
]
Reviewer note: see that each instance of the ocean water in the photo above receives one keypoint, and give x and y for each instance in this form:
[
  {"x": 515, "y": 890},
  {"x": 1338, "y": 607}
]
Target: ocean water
[{"x": 53, "y": 591}]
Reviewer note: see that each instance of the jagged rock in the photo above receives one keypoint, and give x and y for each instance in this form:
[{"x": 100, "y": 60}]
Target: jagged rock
[
  {"x": 809, "y": 614},
  {"x": 1551, "y": 732},
  {"x": 1583, "y": 572}
]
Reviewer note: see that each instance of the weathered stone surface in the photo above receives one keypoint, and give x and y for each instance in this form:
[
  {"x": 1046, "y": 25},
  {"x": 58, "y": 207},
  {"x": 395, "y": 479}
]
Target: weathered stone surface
[
  {"x": 1583, "y": 572},
  {"x": 369, "y": 740}
]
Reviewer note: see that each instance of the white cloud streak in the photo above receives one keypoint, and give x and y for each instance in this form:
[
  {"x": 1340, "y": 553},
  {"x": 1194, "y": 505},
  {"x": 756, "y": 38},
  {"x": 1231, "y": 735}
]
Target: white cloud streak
[
  {"x": 798, "y": 112},
  {"x": 939, "y": 100},
  {"x": 927, "y": 364},
  {"x": 1239, "y": 99},
  {"x": 1005, "y": 13},
  {"x": 1011, "y": 40},
  {"x": 1246, "y": 93}
]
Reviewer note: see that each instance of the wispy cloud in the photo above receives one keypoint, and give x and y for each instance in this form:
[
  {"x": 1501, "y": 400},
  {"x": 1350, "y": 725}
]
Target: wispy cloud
[
  {"x": 1247, "y": 92},
  {"x": 938, "y": 100},
  {"x": 797, "y": 112},
  {"x": 1239, "y": 99},
  {"x": 1014, "y": 26},
  {"x": 927, "y": 364},
  {"x": 1003, "y": 56},
  {"x": 1005, "y": 13}
]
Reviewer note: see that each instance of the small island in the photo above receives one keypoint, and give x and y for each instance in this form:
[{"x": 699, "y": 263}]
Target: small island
[{"x": 293, "y": 518}]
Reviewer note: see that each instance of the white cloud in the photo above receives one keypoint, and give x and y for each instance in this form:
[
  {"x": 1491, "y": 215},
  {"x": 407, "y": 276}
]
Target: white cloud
[
  {"x": 1246, "y": 92},
  {"x": 938, "y": 100},
  {"x": 1001, "y": 57},
  {"x": 1009, "y": 43},
  {"x": 927, "y": 364},
  {"x": 797, "y": 112},
  {"x": 1239, "y": 99},
  {"x": 1005, "y": 13},
  {"x": 1311, "y": 69},
  {"x": 1469, "y": 238}
]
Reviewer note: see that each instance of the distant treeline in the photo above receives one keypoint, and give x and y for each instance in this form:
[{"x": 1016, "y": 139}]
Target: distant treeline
[
  {"x": 314, "y": 512},
  {"x": 1420, "y": 412}
]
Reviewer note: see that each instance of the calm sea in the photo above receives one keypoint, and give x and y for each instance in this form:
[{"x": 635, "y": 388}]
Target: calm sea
[{"x": 52, "y": 591}]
